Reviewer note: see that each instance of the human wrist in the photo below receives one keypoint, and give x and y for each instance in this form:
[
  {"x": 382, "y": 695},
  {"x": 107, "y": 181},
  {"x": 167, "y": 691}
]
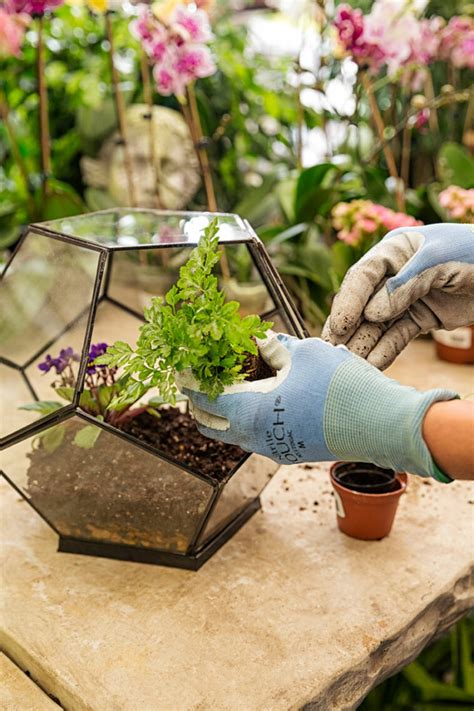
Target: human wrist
[{"x": 369, "y": 417}]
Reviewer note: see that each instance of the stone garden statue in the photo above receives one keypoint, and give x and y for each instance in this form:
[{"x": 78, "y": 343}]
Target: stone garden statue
[{"x": 167, "y": 177}]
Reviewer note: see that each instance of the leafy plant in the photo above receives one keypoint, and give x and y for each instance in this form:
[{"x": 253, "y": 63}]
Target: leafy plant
[
  {"x": 441, "y": 677},
  {"x": 102, "y": 386},
  {"x": 193, "y": 327}
]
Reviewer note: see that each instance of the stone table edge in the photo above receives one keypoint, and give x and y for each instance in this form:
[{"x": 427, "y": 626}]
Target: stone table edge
[{"x": 455, "y": 601}]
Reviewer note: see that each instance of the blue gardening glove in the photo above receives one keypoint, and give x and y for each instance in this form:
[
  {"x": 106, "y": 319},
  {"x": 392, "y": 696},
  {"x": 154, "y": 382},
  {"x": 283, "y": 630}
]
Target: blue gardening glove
[
  {"x": 415, "y": 280},
  {"x": 323, "y": 404}
]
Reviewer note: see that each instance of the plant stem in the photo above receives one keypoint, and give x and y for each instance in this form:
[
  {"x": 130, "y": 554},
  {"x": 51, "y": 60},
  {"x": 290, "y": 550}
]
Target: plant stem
[
  {"x": 120, "y": 110},
  {"x": 191, "y": 113},
  {"x": 388, "y": 153},
  {"x": 16, "y": 153},
  {"x": 469, "y": 121},
  {"x": 430, "y": 95},
  {"x": 201, "y": 150},
  {"x": 43, "y": 109},
  {"x": 406, "y": 149},
  {"x": 148, "y": 96}
]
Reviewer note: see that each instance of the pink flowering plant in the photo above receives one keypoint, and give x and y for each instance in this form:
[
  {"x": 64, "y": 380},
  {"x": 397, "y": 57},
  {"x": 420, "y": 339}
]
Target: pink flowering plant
[
  {"x": 12, "y": 32},
  {"x": 458, "y": 203},
  {"x": 34, "y": 8},
  {"x": 362, "y": 223},
  {"x": 178, "y": 49}
]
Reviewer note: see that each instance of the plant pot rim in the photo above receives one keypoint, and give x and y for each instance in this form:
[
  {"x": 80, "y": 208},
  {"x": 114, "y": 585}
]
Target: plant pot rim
[{"x": 364, "y": 498}]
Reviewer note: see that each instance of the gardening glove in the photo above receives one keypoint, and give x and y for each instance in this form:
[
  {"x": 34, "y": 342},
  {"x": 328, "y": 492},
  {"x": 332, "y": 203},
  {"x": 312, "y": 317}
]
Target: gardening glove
[
  {"x": 416, "y": 279},
  {"x": 324, "y": 403}
]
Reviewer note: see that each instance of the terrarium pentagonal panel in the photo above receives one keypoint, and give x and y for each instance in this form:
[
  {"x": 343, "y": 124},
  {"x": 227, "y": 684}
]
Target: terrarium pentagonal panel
[
  {"x": 13, "y": 386},
  {"x": 126, "y": 228},
  {"x": 111, "y": 323},
  {"x": 95, "y": 485},
  {"x": 244, "y": 487},
  {"x": 45, "y": 289},
  {"x": 136, "y": 276}
]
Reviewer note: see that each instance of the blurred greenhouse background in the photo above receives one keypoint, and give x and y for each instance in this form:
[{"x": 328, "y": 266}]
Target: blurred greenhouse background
[{"x": 323, "y": 141}]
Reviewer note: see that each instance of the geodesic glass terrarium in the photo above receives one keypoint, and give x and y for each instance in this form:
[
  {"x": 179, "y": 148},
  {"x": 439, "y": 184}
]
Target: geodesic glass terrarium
[{"x": 158, "y": 492}]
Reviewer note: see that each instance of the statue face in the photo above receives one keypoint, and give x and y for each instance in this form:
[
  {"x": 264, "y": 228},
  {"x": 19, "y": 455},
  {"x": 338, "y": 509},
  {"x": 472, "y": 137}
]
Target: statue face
[{"x": 172, "y": 179}]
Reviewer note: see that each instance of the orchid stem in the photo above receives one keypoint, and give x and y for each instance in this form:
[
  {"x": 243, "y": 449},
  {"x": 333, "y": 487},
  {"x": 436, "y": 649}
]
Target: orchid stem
[
  {"x": 120, "y": 110},
  {"x": 148, "y": 96},
  {"x": 43, "y": 109},
  {"x": 191, "y": 113},
  {"x": 387, "y": 151},
  {"x": 406, "y": 149}
]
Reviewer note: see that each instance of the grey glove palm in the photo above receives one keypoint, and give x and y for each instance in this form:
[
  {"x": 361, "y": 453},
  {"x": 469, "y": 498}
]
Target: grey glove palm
[{"x": 415, "y": 280}]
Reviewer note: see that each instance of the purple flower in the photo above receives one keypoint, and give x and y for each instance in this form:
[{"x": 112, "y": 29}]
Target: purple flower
[
  {"x": 95, "y": 351},
  {"x": 47, "y": 364},
  {"x": 60, "y": 363}
]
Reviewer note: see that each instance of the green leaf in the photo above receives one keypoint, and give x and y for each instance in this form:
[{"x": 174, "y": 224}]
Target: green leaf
[
  {"x": 432, "y": 690},
  {"x": 66, "y": 393},
  {"x": 455, "y": 166},
  {"x": 60, "y": 201},
  {"x": 310, "y": 193},
  {"x": 44, "y": 407},
  {"x": 52, "y": 438},
  {"x": 87, "y": 436}
]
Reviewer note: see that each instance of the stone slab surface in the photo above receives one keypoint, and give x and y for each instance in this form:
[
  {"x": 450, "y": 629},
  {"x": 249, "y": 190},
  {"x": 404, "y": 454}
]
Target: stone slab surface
[
  {"x": 18, "y": 692},
  {"x": 290, "y": 614}
]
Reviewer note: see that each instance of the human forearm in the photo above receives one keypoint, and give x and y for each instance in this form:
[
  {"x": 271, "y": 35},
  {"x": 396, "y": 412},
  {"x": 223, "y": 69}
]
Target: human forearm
[{"x": 448, "y": 430}]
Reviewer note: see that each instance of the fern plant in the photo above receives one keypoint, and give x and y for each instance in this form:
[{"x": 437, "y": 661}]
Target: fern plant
[{"x": 192, "y": 327}]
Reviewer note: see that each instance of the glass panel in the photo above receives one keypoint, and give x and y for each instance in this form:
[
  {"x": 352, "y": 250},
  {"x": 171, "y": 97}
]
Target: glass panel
[
  {"x": 13, "y": 390},
  {"x": 244, "y": 486},
  {"x": 47, "y": 286},
  {"x": 138, "y": 275},
  {"x": 111, "y": 323},
  {"x": 128, "y": 228},
  {"x": 112, "y": 491},
  {"x": 46, "y": 291}
]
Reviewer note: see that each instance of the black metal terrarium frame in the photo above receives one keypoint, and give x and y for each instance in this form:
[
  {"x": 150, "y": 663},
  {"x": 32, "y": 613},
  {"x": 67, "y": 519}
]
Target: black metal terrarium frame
[{"x": 218, "y": 507}]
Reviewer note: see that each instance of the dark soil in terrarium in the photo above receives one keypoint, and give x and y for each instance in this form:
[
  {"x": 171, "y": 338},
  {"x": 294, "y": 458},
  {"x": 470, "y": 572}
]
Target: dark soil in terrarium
[
  {"x": 175, "y": 433},
  {"x": 118, "y": 493}
]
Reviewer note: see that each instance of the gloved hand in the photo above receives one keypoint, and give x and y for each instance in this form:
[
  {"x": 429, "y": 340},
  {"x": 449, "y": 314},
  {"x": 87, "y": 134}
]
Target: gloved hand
[
  {"x": 324, "y": 404},
  {"x": 416, "y": 279}
]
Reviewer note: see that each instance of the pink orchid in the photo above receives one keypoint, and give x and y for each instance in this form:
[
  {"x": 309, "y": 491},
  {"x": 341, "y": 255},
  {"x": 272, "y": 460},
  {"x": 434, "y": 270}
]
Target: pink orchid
[
  {"x": 178, "y": 50},
  {"x": 350, "y": 27},
  {"x": 12, "y": 30},
  {"x": 457, "y": 42},
  {"x": 195, "y": 23},
  {"x": 458, "y": 203},
  {"x": 362, "y": 221},
  {"x": 34, "y": 8}
]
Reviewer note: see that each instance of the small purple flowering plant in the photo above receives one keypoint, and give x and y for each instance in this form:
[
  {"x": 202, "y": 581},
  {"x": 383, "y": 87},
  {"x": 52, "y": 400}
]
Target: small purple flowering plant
[{"x": 101, "y": 386}]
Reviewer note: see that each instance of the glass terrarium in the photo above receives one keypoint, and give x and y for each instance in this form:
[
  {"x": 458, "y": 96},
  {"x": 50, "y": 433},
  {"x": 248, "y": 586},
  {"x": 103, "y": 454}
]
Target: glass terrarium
[{"x": 157, "y": 493}]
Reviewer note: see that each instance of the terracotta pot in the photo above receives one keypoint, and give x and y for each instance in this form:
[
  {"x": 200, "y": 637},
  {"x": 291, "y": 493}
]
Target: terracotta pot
[
  {"x": 367, "y": 516},
  {"x": 455, "y": 346}
]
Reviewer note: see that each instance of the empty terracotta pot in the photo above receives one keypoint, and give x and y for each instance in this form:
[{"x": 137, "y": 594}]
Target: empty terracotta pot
[
  {"x": 360, "y": 514},
  {"x": 455, "y": 346}
]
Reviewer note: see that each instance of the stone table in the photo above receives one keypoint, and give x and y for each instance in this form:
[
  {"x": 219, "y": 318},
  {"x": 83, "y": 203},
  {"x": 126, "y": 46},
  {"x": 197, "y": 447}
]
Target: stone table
[{"x": 290, "y": 614}]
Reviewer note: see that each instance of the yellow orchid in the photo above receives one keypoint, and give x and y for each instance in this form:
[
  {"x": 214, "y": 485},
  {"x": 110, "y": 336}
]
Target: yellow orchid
[
  {"x": 97, "y": 6},
  {"x": 164, "y": 9}
]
